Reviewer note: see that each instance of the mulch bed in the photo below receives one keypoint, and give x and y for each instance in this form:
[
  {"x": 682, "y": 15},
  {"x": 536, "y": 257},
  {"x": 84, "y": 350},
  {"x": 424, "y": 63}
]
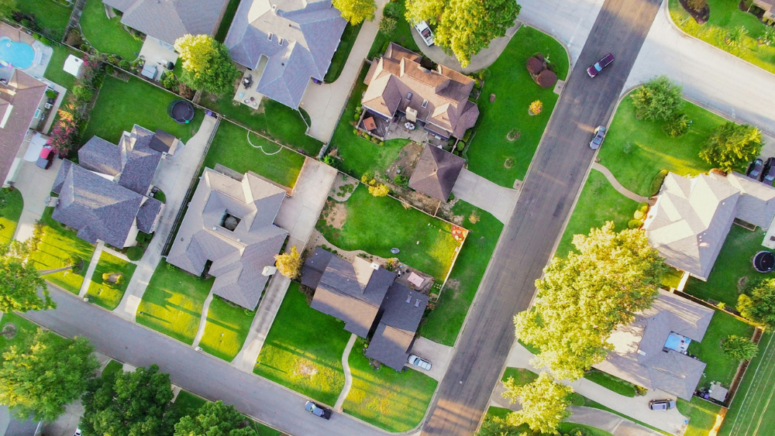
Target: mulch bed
[{"x": 701, "y": 17}]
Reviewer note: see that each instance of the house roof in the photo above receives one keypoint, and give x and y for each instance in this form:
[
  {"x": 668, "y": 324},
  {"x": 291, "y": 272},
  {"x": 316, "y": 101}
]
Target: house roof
[
  {"x": 238, "y": 256},
  {"x": 757, "y": 200},
  {"x": 436, "y": 173},
  {"x": 398, "y": 81},
  {"x": 402, "y": 309},
  {"x": 639, "y": 353},
  {"x": 298, "y": 37},
  {"x": 18, "y": 102},
  {"x": 148, "y": 213},
  {"x": 168, "y": 20}
]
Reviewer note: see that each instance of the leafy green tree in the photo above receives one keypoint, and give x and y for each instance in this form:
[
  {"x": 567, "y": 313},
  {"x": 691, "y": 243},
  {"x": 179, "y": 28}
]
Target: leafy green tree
[
  {"x": 20, "y": 282},
  {"x": 41, "y": 377},
  {"x": 206, "y": 64},
  {"x": 544, "y": 403},
  {"x": 731, "y": 145},
  {"x": 739, "y": 348},
  {"x": 355, "y": 11},
  {"x": 497, "y": 426},
  {"x": 584, "y": 297},
  {"x": 7, "y": 8},
  {"x": 135, "y": 403},
  {"x": 757, "y": 302},
  {"x": 658, "y": 99},
  {"x": 465, "y": 26},
  {"x": 214, "y": 419}
]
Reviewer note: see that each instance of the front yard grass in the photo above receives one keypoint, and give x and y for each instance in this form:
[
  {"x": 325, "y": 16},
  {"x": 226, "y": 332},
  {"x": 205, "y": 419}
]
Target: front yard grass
[
  {"x": 514, "y": 90},
  {"x": 637, "y": 150},
  {"x": 377, "y": 224},
  {"x": 733, "y": 263},
  {"x": 701, "y": 414},
  {"x": 172, "y": 303},
  {"x": 55, "y": 70},
  {"x": 226, "y": 329},
  {"x": 108, "y": 36},
  {"x": 346, "y": 43},
  {"x": 104, "y": 293},
  {"x": 25, "y": 330},
  {"x": 50, "y": 15},
  {"x": 611, "y": 383},
  {"x": 11, "y": 206},
  {"x": 188, "y": 404},
  {"x": 393, "y": 401},
  {"x": 563, "y": 428},
  {"x": 401, "y": 34},
  {"x": 303, "y": 350},
  {"x": 57, "y": 247},
  {"x": 444, "y": 322},
  {"x": 719, "y": 367},
  {"x": 230, "y": 148},
  {"x": 521, "y": 376}
]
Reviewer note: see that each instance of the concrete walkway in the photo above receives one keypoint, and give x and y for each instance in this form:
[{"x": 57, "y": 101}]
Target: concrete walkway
[
  {"x": 348, "y": 377},
  {"x": 618, "y": 186},
  {"x": 90, "y": 270},
  {"x": 610, "y": 422},
  {"x": 35, "y": 186},
  {"x": 486, "y": 195},
  {"x": 203, "y": 320}
]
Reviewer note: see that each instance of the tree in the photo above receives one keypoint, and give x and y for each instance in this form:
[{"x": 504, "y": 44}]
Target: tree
[
  {"x": 738, "y": 348},
  {"x": 732, "y": 145},
  {"x": 584, "y": 297},
  {"x": 379, "y": 190},
  {"x": 497, "y": 426},
  {"x": 7, "y": 8},
  {"x": 355, "y": 11},
  {"x": 544, "y": 403},
  {"x": 20, "y": 282},
  {"x": 206, "y": 64},
  {"x": 465, "y": 26},
  {"x": 214, "y": 419},
  {"x": 41, "y": 377},
  {"x": 757, "y": 302},
  {"x": 289, "y": 264},
  {"x": 658, "y": 99},
  {"x": 135, "y": 403}
]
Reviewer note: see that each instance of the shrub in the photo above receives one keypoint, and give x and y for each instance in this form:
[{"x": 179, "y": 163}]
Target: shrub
[
  {"x": 106, "y": 277},
  {"x": 50, "y": 93},
  {"x": 109, "y": 69},
  {"x": 536, "y": 107},
  {"x": 387, "y": 25},
  {"x": 739, "y": 348},
  {"x": 634, "y": 224},
  {"x": 379, "y": 190},
  {"x": 731, "y": 145},
  {"x": 124, "y": 64},
  {"x": 640, "y": 390},
  {"x": 332, "y": 161},
  {"x": 697, "y": 5},
  {"x": 677, "y": 125},
  {"x": 134, "y": 253},
  {"x": 644, "y": 207},
  {"x": 168, "y": 80},
  {"x": 392, "y": 10},
  {"x": 638, "y": 215},
  {"x": 401, "y": 180},
  {"x": 656, "y": 183},
  {"x": 657, "y": 99},
  {"x": 82, "y": 94}
]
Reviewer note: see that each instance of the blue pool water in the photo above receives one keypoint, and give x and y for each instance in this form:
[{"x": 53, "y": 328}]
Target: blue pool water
[
  {"x": 677, "y": 342},
  {"x": 17, "y": 54}
]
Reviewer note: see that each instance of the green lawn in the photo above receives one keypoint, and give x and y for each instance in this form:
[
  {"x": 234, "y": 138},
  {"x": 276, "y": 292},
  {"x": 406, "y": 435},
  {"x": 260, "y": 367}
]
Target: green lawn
[
  {"x": 172, "y": 303},
  {"x": 636, "y": 150},
  {"x": 564, "y": 427},
  {"x": 113, "y": 367},
  {"x": 230, "y": 148},
  {"x": 393, "y": 401},
  {"x": 611, "y": 383},
  {"x": 375, "y": 225},
  {"x": 719, "y": 367},
  {"x": 187, "y": 404},
  {"x": 228, "y": 17},
  {"x": 123, "y": 104},
  {"x": 725, "y": 16},
  {"x": 106, "y": 294},
  {"x": 342, "y": 52},
  {"x": 514, "y": 90},
  {"x": 51, "y": 16},
  {"x": 445, "y": 321},
  {"x": 586, "y": 402},
  {"x": 599, "y": 202},
  {"x": 402, "y": 35},
  {"x": 108, "y": 36},
  {"x": 25, "y": 330},
  {"x": 733, "y": 262},
  {"x": 55, "y": 70},
  {"x": 226, "y": 329},
  {"x": 701, "y": 414},
  {"x": 672, "y": 278},
  {"x": 56, "y": 249},
  {"x": 11, "y": 205},
  {"x": 303, "y": 350},
  {"x": 521, "y": 376}
]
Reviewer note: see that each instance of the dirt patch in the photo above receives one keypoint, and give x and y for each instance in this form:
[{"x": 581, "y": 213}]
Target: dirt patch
[
  {"x": 9, "y": 331},
  {"x": 513, "y": 135},
  {"x": 407, "y": 160},
  {"x": 445, "y": 211},
  {"x": 305, "y": 369},
  {"x": 741, "y": 282},
  {"x": 343, "y": 187},
  {"x": 508, "y": 163},
  {"x": 335, "y": 214},
  {"x": 701, "y": 16}
]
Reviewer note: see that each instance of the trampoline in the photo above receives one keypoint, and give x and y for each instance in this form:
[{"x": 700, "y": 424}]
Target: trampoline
[
  {"x": 764, "y": 261},
  {"x": 181, "y": 111}
]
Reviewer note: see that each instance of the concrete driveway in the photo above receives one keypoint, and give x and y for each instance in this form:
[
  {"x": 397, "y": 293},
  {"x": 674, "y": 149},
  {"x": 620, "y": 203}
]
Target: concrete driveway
[
  {"x": 35, "y": 186},
  {"x": 486, "y": 195},
  {"x": 439, "y": 356}
]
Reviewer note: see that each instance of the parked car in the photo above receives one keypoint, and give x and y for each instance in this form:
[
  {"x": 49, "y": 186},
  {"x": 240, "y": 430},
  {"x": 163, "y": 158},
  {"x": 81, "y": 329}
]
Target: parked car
[
  {"x": 425, "y": 32},
  {"x": 755, "y": 169},
  {"x": 597, "y": 141},
  {"x": 769, "y": 171},
  {"x": 45, "y": 158},
  {"x": 77, "y": 432},
  {"x": 419, "y": 362},
  {"x": 661, "y": 404},
  {"x": 605, "y": 61},
  {"x": 317, "y": 410}
]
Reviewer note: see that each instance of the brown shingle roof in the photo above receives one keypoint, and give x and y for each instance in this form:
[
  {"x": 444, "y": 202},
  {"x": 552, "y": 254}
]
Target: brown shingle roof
[
  {"x": 21, "y": 97},
  {"x": 436, "y": 173}
]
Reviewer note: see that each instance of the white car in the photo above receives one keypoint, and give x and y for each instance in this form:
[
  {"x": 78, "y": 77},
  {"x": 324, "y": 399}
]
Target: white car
[
  {"x": 419, "y": 362},
  {"x": 425, "y": 32}
]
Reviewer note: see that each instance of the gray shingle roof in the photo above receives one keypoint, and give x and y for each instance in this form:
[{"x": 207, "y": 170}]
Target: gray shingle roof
[
  {"x": 21, "y": 96},
  {"x": 314, "y": 267},
  {"x": 757, "y": 200},
  {"x": 149, "y": 211},
  {"x": 101, "y": 156},
  {"x": 436, "y": 173}
]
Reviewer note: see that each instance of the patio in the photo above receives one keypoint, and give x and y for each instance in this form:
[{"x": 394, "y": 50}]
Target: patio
[
  {"x": 399, "y": 128},
  {"x": 158, "y": 53},
  {"x": 246, "y": 90}
]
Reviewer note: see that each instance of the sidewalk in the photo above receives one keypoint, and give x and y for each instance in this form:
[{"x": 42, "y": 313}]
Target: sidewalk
[{"x": 95, "y": 259}]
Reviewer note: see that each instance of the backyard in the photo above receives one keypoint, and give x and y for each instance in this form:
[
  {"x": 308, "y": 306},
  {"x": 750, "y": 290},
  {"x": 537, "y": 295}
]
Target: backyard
[
  {"x": 11, "y": 205},
  {"x": 339, "y": 60},
  {"x": 393, "y": 401},
  {"x": 401, "y": 34},
  {"x": 108, "y": 35},
  {"x": 108, "y": 293},
  {"x": 303, "y": 350},
  {"x": 491, "y": 154},
  {"x": 55, "y": 70},
  {"x": 52, "y": 17},
  {"x": 172, "y": 303},
  {"x": 701, "y": 414},
  {"x": 230, "y": 147},
  {"x": 719, "y": 367},
  {"x": 226, "y": 329}
]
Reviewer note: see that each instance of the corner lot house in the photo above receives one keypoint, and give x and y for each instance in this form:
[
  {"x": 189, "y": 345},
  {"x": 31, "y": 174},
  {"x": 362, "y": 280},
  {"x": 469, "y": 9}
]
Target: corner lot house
[
  {"x": 768, "y": 6},
  {"x": 436, "y": 173}
]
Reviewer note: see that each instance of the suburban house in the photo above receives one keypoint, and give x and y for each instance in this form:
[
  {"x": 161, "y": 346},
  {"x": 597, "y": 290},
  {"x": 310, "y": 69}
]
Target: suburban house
[
  {"x": 106, "y": 195},
  {"x": 768, "y": 6},
  {"x": 229, "y": 233},
  {"x": 436, "y": 173},
  {"x": 369, "y": 301},
  {"x": 399, "y": 88},
  {"x": 652, "y": 351},
  {"x": 286, "y": 43},
  {"x": 692, "y": 217}
]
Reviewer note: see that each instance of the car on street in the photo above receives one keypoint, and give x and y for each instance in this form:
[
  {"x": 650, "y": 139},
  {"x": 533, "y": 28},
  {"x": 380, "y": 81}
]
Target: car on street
[
  {"x": 425, "y": 32},
  {"x": 605, "y": 61},
  {"x": 661, "y": 404},
  {"x": 769, "y": 171},
  {"x": 755, "y": 169},
  {"x": 45, "y": 158},
  {"x": 597, "y": 141},
  {"x": 317, "y": 410},
  {"x": 419, "y": 362},
  {"x": 77, "y": 432}
]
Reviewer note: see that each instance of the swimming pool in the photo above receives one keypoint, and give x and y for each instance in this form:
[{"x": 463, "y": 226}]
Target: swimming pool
[{"x": 16, "y": 54}]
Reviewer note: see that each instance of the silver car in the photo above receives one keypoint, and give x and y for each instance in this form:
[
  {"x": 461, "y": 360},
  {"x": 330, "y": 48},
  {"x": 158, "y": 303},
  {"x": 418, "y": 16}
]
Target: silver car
[
  {"x": 597, "y": 141},
  {"x": 425, "y": 32},
  {"x": 419, "y": 362}
]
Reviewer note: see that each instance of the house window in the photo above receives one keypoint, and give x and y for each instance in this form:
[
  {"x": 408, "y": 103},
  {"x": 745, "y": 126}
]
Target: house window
[
  {"x": 269, "y": 37},
  {"x": 424, "y": 103}
]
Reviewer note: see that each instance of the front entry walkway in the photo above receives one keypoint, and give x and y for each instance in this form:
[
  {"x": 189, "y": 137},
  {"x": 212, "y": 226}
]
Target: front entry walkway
[
  {"x": 618, "y": 186},
  {"x": 486, "y": 195}
]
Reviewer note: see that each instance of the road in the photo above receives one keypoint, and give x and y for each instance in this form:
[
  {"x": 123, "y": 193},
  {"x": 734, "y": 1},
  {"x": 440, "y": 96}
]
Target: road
[{"x": 553, "y": 181}]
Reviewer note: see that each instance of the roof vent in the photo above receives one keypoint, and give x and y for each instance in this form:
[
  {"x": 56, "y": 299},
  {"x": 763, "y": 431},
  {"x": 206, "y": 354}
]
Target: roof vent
[
  {"x": 280, "y": 41},
  {"x": 409, "y": 298},
  {"x": 269, "y": 37},
  {"x": 417, "y": 303}
]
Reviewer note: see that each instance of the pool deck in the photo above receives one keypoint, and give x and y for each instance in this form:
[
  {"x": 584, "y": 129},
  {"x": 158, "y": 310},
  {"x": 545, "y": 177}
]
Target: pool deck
[{"x": 42, "y": 52}]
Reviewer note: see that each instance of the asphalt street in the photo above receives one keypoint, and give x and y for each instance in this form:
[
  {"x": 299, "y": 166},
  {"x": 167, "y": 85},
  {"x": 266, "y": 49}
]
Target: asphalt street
[{"x": 553, "y": 181}]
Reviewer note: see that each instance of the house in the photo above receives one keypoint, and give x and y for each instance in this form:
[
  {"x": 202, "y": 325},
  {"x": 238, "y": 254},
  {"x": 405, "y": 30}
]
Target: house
[
  {"x": 437, "y": 100},
  {"x": 21, "y": 103},
  {"x": 106, "y": 195},
  {"x": 10, "y": 426},
  {"x": 436, "y": 173},
  {"x": 287, "y": 42},
  {"x": 228, "y": 233},
  {"x": 652, "y": 351},
  {"x": 369, "y": 301},
  {"x": 768, "y": 6}
]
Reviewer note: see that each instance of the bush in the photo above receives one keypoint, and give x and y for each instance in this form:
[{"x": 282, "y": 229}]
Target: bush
[
  {"x": 168, "y": 80},
  {"x": 110, "y": 69},
  {"x": 106, "y": 277},
  {"x": 50, "y": 93},
  {"x": 657, "y": 99},
  {"x": 134, "y": 253},
  {"x": 697, "y": 5},
  {"x": 739, "y": 348},
  {"x": 401, "y": 180},
  {"x": 124, "y": 64},
  {"x": 643, "y": 207},
  {"x": 731, "y": 145},
  {"x": 536, "y": 107},
  {"x": 387, "y": 25},
  {"x": 638, "y": 215},
  {"x": 656, "y": 183},
  {"x": 677, "y": 125},
  {"x": 634, "y": 224},
  {"x": 332, "y": 161},
  {"x": 392, "y": 10}
]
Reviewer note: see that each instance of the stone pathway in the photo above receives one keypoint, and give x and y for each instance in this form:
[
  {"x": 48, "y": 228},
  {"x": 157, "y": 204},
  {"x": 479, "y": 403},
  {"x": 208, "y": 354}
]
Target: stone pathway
[
  {"x": 90, "y": 270},
  {"x": 618, "y": 186},
  {"x": 486, "y": 195},
  {"x": 203, "y": 320},
  {"x": 348, "y": 377}
]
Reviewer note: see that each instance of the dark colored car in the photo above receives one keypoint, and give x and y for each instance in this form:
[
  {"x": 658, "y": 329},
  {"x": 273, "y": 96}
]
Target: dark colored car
[
  {"x": 597, "y": 141},
  {"x": 45, "y": 158},
  {"x": 605, "y": 61},
  {"x": 769, "y": 171},
  {"x": 661, "y": 404},
  {"x": 755, "y": 169},
  {"x": 317, "y": 410}
]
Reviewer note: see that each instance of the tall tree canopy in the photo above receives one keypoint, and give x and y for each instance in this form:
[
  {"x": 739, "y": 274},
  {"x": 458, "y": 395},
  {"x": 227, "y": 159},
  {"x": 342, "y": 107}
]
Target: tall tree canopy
[
  {"x": 20, "y": 282},
  {"x": 731, "y": 145},
  {"x": 739, "y": 348},
  {"x": 544, "y": 403},
  {"x": 757, "y": 302},
  {"x": 215, "y": 419},
  {"x": 583, "y": 298},
  {"x": 355, "y": 11},
  {"x": 206, "y": 64},
  {"x": 135, "y": 403},
  {"x": 41, "y": 377},
  {"x": 465, "y": 26},
  {"x": 658, "y": 99}
]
